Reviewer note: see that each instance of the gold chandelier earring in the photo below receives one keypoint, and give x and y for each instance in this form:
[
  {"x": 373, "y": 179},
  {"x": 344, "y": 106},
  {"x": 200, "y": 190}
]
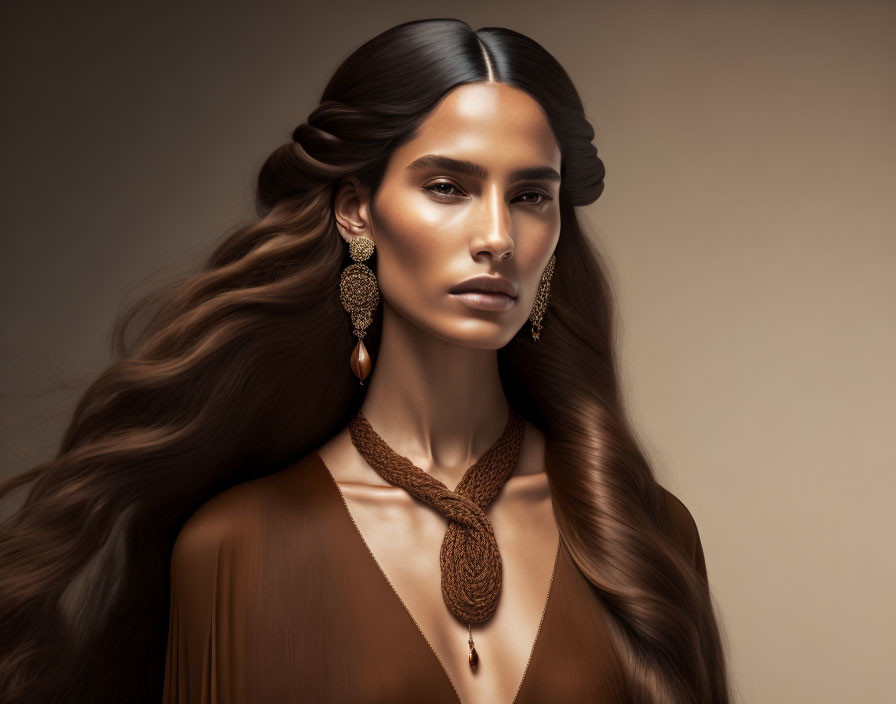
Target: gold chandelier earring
[
  {"x": 359, "y": 294},
  {"x": 542, "y": 297}
]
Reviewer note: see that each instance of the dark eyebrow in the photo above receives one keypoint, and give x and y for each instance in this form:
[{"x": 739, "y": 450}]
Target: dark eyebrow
[{"x": 532, "y": 173}]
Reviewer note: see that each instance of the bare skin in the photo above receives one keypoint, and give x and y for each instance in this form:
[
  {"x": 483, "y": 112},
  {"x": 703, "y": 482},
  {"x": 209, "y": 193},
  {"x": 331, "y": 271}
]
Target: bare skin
[{"x": 435, "y": 395}]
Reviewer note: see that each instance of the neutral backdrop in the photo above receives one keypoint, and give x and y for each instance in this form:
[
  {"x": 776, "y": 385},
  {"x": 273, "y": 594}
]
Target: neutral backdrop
[{"x": 748, "y": 218}]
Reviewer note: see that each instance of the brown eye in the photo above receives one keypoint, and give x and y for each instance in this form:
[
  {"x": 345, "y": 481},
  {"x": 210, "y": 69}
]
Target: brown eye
[
  {"x": 441, "y": 194},
  {"x": 544, "y": 197}
]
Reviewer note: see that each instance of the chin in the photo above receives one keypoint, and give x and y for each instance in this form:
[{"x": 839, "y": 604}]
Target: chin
[{"x": 479, "y": 334}]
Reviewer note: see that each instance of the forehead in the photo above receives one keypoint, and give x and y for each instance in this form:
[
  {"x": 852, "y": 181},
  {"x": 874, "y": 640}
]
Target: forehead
[{"x": 497, "y": 125}]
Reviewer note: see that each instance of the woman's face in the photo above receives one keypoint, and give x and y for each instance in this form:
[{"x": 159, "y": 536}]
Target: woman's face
[{"x": 474, "y": 193}]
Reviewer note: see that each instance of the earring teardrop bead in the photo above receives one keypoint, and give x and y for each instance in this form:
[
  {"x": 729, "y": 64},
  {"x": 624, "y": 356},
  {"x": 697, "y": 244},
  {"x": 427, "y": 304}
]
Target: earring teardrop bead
[{"x": 360, "y": 361}]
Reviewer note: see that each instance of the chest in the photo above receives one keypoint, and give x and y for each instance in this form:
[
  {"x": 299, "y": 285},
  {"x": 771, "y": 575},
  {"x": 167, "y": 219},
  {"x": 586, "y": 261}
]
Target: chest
[
  {"x": 307, "y": 613},
  {"x": 404, "y": 538}
]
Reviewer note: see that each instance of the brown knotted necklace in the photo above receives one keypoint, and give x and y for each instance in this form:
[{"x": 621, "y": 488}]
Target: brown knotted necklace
[{"x": 469, "y": 558}]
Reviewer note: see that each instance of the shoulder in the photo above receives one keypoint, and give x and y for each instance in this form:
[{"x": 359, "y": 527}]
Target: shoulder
[
  {"x": 232, "y": 517},
  {"x": 682, "y": 521},
  {"x": 686, "y": 531},
  {"x": 213, "y": 528}
]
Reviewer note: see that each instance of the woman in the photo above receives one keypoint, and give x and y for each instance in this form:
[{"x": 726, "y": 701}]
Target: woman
[{"x": 379, "y": 438}]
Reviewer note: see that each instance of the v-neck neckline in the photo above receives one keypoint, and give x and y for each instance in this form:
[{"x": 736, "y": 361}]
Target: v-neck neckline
[{"x": 357, "y": 531}]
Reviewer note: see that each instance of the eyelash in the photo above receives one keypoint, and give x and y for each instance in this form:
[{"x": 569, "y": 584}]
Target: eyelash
[{"x": 445, "y": 196}]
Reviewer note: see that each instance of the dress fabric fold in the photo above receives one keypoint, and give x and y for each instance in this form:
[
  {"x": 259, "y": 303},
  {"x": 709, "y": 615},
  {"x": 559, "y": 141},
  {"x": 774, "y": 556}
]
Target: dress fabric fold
[{"x": 276, "y": 598}]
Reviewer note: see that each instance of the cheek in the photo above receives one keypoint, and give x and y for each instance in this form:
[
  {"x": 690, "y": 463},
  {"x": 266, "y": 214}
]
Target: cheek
[
  {"x": 533, "y": 252},
  {"x": 412, "y": 251}
]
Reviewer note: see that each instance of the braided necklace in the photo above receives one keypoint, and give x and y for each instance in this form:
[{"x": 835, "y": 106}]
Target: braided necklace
[{"x": 469, "y": 558}]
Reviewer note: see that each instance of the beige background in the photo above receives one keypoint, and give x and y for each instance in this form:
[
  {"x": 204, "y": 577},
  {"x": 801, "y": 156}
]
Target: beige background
[{"x": 748, "y": 216}]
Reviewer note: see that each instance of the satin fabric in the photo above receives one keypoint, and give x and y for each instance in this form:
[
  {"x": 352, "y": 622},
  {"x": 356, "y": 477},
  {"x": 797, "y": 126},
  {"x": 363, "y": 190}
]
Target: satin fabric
[{"x": 275, "y": 598}]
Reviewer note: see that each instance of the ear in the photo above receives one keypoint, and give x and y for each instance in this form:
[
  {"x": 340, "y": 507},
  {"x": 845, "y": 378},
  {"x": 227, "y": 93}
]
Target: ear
[{"x": 351, "y": 207}]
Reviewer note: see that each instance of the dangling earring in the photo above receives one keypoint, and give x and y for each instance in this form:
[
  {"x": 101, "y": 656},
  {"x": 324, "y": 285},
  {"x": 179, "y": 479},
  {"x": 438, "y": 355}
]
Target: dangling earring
[
  {"x": 359, "y": 294},
  {"x": 541, "y": 298}
]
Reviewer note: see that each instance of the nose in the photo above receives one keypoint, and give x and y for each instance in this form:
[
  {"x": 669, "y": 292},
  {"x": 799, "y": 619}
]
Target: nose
[{"x": 495, "y": 227}]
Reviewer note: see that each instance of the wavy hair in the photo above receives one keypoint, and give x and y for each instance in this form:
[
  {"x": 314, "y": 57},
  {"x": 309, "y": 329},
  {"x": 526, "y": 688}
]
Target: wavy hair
[{"x": 241, "y": 368}]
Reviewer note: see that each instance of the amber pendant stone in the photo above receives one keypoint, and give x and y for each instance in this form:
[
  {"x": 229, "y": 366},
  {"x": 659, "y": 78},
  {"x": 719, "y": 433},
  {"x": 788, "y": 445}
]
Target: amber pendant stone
[
  {"x": 360, "y": 361},
  {"x": 474, "y": 658}
]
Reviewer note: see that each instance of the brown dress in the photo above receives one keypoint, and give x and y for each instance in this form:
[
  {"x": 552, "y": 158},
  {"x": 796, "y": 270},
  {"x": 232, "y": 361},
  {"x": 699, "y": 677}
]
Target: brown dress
[{"x": 276, "y": 598}]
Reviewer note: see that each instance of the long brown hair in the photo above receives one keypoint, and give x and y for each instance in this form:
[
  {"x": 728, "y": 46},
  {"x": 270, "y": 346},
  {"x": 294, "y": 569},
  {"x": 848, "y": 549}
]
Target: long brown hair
[{"x": 236, "y": 371}]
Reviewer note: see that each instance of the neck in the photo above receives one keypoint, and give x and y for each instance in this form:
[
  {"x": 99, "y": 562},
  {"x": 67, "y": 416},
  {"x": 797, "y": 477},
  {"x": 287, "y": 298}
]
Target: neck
[{"x": 438, "y": 404}]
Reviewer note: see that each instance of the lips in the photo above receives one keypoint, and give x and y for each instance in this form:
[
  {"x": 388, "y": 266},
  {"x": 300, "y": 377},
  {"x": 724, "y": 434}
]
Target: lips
[{"x": 486, "y": 284}]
